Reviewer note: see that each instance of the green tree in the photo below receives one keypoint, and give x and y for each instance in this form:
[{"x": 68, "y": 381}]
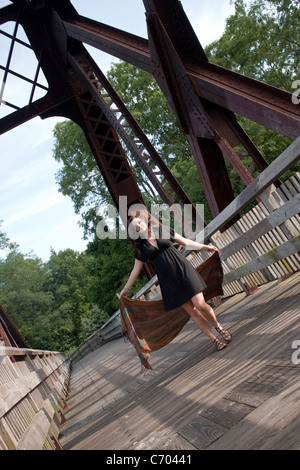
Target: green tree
[
  {"x": 67, "y": 282},
  {"x": 109, "y": 265},
  {"x": 47, "y": 301},
  {"x": 79, "y": 177},
  {"x": 5, "y": 243},
  {"x": 23, "y": 296},
  {"x": 261, "y": 40},
  {"x": 91, "y": 324}
]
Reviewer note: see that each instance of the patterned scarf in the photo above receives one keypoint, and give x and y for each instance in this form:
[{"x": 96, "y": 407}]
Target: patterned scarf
[{"x": 149, "y": 327}]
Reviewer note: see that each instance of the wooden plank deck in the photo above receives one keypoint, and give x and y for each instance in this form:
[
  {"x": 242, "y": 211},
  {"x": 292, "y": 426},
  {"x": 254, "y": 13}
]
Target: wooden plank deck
[{"x": 244, "y": 397}]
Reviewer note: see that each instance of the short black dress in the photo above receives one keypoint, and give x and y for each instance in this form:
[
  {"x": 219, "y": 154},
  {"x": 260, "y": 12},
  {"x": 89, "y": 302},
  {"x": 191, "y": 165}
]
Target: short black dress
[{"x": 178, "y": 280}]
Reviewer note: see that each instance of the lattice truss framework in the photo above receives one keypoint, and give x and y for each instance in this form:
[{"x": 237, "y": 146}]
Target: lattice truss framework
[{"x": 63, "y": 80}]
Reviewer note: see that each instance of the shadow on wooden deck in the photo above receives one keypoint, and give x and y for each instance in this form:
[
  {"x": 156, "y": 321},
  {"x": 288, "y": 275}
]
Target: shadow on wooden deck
[{"x": 244, "y": 397}]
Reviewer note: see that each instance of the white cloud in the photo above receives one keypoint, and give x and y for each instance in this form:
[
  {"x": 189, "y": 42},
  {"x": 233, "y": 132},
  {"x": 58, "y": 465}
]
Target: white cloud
[
  {"x": 34, "y": 206},
  {"x": 207, "y": 18}
]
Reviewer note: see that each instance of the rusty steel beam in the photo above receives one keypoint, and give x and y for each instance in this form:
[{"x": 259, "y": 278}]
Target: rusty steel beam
[
  {"x": 208, "y": 146},
  {"x": 8, "y": 13},
  {"x": 61, "y": 104},
  {"x": 37, "y": 108},
  {"x": 69, "y": 97},
  {"x": 269, "y": 106},
  {"x": 120, "y": 44},
  {"x": 115, "y": 42},
  {"x": 226, "y": 124},
  {"x": 178, "y": 28},
  {"x": 108, "y": 151},
  {"x": 126, "y": 126},
  {"x": 105, "y": 145},
  {"x": 255, "y": 100}
]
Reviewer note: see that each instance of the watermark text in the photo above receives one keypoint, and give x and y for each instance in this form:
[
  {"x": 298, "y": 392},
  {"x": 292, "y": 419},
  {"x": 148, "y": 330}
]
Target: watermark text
[
  {"x": 296, "y": 354},
  {"x": 296, "y": 94},
  {"x": 184, "y": 220}
]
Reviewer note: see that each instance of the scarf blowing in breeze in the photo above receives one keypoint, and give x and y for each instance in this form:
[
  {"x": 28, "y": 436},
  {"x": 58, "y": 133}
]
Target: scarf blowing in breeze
[{"x": 149, "y": 327}]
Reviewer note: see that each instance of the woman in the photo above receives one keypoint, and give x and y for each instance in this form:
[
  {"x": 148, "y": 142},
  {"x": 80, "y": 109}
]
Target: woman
[{"x": 180, "y": 283}]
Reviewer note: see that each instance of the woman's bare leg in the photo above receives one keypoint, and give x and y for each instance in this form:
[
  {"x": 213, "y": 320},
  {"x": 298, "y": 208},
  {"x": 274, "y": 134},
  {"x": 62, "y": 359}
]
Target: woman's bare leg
[
  {"x": 205, "y": 309},
  {"x": 199, "y": 320},
  {"x": 201, "y": 314},
  {"x": 200, "y": 305}
]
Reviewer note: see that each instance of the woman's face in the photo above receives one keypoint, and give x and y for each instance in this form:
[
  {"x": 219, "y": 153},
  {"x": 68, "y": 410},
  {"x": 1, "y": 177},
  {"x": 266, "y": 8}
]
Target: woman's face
[{"x": 140, "y": 225}]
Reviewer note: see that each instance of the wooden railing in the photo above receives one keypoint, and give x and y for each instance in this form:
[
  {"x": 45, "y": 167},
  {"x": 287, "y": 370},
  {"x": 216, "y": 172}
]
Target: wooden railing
[
  {"x": 262, "y": 246},
  {"x": 33, "y": 389}
]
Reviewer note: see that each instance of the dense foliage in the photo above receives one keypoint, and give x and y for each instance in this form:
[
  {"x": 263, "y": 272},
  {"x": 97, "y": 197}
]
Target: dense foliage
[{"x": 58, "y": 303}]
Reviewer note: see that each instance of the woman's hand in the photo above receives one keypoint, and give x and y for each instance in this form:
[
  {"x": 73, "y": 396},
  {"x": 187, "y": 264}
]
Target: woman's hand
[
  {"x": 132, "y": 278},
  {"x": 123, "y": 292},
  {"x": 211, "y": 248}
]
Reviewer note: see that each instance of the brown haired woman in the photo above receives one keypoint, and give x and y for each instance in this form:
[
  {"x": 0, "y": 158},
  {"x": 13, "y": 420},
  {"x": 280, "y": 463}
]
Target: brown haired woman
[{"x": 180, "y": 283}]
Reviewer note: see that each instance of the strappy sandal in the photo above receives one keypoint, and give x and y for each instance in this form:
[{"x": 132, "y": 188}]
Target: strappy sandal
[
  {"x": 219, "y": 345},
  {"x": 226, "y": 335}
]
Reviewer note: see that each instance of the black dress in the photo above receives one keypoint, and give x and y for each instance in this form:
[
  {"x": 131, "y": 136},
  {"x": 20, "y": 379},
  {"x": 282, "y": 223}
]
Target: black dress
[{"x": 178, "y": 280}]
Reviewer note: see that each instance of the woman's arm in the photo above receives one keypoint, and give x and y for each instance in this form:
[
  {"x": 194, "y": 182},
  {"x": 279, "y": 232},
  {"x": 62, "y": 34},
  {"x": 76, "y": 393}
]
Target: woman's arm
[
  {"x": 191, "y": 245},
  {"x": 132, "y": 278}
]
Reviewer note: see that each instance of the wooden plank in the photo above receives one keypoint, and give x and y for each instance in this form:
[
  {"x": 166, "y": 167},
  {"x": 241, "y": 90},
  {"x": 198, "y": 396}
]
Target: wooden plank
[
  {"x": 264, "y": 244},
  {"x": 295, "y": 182},
  {"x": 12, "y": 351},
  {"x": 287, "y": 249},
  {"x": 257, "y": 248},
  {"x": 249, "y": 394},
  {"x": 285, "y": 438},
  {"x": 164, "y": 439},
  {"x": 201, "y": 432},
  {"x": 227, "y": 413},
  {"x": 175, "y": 442}
]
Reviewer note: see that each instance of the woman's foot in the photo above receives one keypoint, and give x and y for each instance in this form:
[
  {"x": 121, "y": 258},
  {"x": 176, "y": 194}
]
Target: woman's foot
[
  {"x": 226, "y": 335},
  {"x": 219, "y": 344}
]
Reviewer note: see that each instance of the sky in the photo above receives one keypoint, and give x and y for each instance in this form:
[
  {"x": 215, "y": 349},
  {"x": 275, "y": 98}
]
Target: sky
[{"x": 35, "y": 214}]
